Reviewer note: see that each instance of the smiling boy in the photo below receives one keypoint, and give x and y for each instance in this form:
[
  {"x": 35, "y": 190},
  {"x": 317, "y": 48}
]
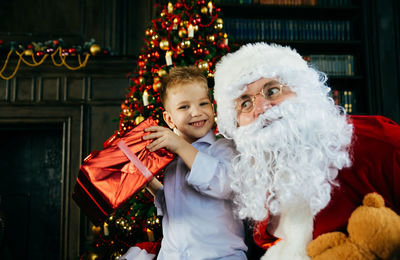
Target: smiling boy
[{"x": 198, "y": 220}]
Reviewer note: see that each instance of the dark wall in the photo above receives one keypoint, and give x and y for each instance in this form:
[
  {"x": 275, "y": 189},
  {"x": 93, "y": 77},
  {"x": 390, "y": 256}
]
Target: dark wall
[
  {"x": 118, "y": 24},
  {"x": 382, "y": 30}
]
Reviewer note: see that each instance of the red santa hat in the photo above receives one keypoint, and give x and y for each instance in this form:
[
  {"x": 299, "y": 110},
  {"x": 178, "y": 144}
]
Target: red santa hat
[{"x": 250, "y": 63}]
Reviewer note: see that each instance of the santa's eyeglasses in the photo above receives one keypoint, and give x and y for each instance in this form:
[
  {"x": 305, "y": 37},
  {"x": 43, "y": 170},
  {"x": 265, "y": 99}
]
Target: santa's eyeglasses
[{"x": 271, "y": 91}]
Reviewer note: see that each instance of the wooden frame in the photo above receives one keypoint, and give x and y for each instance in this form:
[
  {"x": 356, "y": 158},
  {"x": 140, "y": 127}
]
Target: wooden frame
[{"x": 70, "y": 118}]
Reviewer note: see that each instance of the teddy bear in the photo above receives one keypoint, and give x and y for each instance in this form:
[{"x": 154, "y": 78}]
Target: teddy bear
[{"x": 373, "y": 233}]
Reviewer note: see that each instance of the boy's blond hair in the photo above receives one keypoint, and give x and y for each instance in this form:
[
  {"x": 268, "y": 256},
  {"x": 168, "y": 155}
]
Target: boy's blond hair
[{"x": 182, "y": 75}]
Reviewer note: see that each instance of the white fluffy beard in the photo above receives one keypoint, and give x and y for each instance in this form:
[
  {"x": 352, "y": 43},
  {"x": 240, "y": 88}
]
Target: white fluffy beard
[{"x": 293, "y": 151}]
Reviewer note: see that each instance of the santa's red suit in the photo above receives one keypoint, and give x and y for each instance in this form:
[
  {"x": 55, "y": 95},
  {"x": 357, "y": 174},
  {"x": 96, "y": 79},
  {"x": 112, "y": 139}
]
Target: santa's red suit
[{"x": 375, "y": 155}]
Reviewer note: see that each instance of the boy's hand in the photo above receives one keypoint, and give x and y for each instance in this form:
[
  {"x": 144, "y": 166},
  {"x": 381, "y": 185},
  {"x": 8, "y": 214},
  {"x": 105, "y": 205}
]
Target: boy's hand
[{"x": 163, "y": 138}]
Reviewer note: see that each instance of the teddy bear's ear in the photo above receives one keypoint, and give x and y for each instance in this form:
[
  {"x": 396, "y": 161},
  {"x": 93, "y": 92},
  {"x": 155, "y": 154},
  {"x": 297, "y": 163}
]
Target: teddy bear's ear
[{"x": 373, "y": 200}]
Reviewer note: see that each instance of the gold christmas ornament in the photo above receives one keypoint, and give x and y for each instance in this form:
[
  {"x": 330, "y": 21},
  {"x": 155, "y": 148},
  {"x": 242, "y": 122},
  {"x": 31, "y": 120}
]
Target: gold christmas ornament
[
  {"x": 92, "y": 256},
  {"x": 149, "y": 32},
  {"x": 219, "y": 26},
  {"x": 141, "y": 80},
  {"x": 185, "y": 44},
  {"x": 154, "y": 37},
  {"x": 96, "y": 230},
  {"x": 116, "y": 255},
  {"x": 179, "y": 50},
  {"x": 210, "y": 75},
  {"x": 127, "y": 112},
  {"x": 203, "y": 65},
  {"x": 157, "y": 86},
  {"x": 162, "y": 73},
  {"x": 184, "y": 24},
  {"x": 164, "y": 44},
  {"x": 204, "y": 10},
  {"x": 139, "y": 119},
  {"x": 196, "y": 28},
  {"x": 28, "y": 52},
  {"x": 210, "y": 38},
  {"x": 182, "y": 32},
  {"x": 219, "y": 21},
  {"x": 95, "y": 49}
]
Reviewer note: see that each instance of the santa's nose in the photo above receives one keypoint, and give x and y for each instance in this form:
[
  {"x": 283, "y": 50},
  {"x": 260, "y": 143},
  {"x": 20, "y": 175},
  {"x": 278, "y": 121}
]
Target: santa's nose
[{"x": 261, "y": 105}]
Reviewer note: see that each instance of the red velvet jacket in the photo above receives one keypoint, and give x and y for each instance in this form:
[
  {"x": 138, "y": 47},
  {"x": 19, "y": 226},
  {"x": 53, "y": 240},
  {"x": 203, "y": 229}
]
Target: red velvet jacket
[{"x": 375, "y": 154}]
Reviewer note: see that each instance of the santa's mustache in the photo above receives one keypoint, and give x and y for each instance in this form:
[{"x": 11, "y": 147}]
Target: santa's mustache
[{"x": 265, "y": 122}]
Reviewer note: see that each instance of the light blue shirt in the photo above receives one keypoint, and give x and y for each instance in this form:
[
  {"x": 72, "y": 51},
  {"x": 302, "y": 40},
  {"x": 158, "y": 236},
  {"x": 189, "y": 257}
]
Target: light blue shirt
[{"x": 198, "y": 220}]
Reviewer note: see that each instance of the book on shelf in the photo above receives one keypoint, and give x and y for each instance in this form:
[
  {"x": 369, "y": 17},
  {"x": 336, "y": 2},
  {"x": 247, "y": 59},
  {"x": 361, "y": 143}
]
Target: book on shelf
[
  {"x": 286, "y": 2},
  {"x": 345, "y": 99},
  {"x": 324, "y": 3},
  {"x": 244, "y": 29},
  {"x": 333, "y": 65}
]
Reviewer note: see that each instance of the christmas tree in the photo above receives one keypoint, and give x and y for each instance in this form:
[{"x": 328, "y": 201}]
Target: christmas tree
[{"x": 186, "y": 32}]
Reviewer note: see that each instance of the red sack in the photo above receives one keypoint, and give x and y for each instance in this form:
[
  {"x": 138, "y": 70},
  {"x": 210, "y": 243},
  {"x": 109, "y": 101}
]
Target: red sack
[{"x": 108, "y": 178}]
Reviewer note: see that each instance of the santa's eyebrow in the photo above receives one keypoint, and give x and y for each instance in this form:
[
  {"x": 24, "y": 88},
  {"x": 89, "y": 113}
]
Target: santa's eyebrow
[
  {"x": 273, "y": 82},
  {"x": 243, "y": 96}
]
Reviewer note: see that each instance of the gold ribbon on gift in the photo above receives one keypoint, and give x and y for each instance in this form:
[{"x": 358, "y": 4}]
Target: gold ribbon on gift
[{"x": 35, "y": 63}]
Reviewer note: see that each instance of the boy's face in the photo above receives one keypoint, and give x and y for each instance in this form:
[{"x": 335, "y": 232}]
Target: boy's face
[{"x": 188, "y": 108}]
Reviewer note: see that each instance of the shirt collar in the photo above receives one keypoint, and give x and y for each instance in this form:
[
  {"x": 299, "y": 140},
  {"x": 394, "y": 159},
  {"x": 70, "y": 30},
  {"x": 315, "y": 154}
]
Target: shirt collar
[{"x": 208, "y": 138}]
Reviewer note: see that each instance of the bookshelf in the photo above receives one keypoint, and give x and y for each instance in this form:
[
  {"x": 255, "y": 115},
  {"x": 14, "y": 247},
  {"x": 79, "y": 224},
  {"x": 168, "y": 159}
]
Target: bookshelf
[{"x": 327, "y": 33}]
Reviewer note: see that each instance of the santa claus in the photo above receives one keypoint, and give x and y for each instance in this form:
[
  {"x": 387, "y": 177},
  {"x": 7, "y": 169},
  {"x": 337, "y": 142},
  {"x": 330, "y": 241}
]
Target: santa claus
[{"x": 303, "y": 164}]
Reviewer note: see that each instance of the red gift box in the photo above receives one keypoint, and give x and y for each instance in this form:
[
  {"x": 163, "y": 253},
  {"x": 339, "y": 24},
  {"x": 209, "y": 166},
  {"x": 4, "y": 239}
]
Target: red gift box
[{"x": 108, "y": 178}]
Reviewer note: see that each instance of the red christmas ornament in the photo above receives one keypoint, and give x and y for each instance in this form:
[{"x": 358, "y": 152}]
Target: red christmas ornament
[
  {"x": 56, "y": 42},
  {"x": 29, "y": 46},
  {"x": 1, "y": 42},
  {"x": 197, "y": 19},
  {"x": 72, "y": 50},
  {"x": 156, "y": 54}
]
